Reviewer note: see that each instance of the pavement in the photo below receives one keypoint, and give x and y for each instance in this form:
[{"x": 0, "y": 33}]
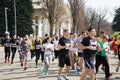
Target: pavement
[{"x": 16, "y": 72}]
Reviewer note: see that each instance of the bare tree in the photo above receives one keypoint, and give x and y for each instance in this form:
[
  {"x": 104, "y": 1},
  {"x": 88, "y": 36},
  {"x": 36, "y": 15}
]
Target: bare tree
[
  {"x": 96, "y": 19},
  {"x": 77, "y": 11},
  {"x": 91, "y": 16},
  {"x": 52, "y": 6}
]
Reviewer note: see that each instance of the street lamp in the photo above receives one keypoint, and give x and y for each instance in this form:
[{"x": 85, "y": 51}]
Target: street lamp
[
  {"x": 15, "y": 18},
  {"x": 6, "y": 22}
]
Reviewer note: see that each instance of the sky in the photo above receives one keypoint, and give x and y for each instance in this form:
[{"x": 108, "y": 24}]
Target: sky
[{"x": 109, "y": 5}]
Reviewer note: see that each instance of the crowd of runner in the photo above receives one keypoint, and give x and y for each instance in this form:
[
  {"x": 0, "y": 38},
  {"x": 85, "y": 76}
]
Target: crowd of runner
[{"x": 83, "y": 52}]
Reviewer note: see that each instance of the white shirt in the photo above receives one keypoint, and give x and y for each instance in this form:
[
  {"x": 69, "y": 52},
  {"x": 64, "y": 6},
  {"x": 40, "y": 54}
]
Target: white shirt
[
  {"x": 48, "y": 48},
  {"x": 56, "y": 44}
]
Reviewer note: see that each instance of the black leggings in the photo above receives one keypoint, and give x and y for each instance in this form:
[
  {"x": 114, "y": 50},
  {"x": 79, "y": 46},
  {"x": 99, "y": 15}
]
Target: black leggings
[
  {"x": 56, "y": 53},
  {"x": 32, "y": 53},
  {"x": 118, "y": 53},
  {"x": 102, "y": 60},
  {"x": 7, "y": 53},
  {"x": 37, "y": 54},
  {"x": 42, "y": 56},
  {"x": 13, "y": 53}
]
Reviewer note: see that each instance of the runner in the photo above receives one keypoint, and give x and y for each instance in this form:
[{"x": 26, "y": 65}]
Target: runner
[
  {"x": 32, "y": 49},
  {"x": 7, "y": 49},
  {"x": 89, "y": 46},
  {"x": 42, "y": 51},
  {"x": 25, "y": 46},
  {"x": 13, "y": 43},
  {"x": 64, "y": 45},
  {"x": 102, "y": 57},
  {"x": 56, "y": 47},
  {"x": 100, "y": 38},
  {"x": 19, "y": 49},
  {"x": 80, "y": 52},
  {"x": 49, "y": 48},
  {"x": 73, "y": 50},
  {"x": 37, "y": 44},
  {"x": 118, "y": 46}
]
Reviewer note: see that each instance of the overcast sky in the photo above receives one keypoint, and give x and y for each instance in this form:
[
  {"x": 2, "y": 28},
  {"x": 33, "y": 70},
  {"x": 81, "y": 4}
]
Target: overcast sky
[{"x": 110, "y": 5}]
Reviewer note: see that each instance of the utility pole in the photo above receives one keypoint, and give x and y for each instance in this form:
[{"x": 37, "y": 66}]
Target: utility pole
[
  {"x": 6, "y": 22},
  {"x": 15, "y": 17}
]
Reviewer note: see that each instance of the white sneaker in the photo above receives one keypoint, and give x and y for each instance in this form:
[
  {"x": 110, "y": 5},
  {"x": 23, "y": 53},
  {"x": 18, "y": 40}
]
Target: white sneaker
[{"x": 59, "y": 78}]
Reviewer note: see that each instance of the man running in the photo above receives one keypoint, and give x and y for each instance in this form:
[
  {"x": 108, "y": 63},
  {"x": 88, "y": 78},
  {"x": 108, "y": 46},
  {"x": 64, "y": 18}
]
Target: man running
[
  {"x": 89, "y": 46},
  {"x": 64, "y": 45}
]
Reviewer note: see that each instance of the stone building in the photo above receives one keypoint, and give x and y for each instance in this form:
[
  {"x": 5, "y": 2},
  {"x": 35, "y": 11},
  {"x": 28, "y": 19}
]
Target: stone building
[{"x": 41, "y": 24}]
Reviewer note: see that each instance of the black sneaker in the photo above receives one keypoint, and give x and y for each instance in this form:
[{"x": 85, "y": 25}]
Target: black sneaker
[
  {"x": 110, "y": 74},
  {"x": 25, "y": 68},
  {"x": 11, "y": 62},
  {"x": 21, "y": 64},
  {"x": 117, "y": 69}
]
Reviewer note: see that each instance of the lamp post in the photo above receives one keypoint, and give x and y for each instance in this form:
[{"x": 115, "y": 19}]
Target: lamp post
[
  {"x": 6, "y": 22},
  {"x": 15, "y": 17}
]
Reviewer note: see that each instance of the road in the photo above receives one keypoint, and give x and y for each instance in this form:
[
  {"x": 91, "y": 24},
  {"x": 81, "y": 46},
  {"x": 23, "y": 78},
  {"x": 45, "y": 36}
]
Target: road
[{"x": 15, "y": 71}]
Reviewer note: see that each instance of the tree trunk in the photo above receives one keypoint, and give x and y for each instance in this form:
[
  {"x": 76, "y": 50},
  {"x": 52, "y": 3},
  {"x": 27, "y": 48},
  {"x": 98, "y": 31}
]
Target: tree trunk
[{"x": 51, "y": 29}]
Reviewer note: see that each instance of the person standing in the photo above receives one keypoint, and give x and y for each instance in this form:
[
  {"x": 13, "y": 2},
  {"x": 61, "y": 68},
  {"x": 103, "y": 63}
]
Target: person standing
[
  {"x": 7, "y": 49},
  {"x": 89, "y": 46},
  {"x": 64, "y": 45},
  {"x": 13, "y": 43}
]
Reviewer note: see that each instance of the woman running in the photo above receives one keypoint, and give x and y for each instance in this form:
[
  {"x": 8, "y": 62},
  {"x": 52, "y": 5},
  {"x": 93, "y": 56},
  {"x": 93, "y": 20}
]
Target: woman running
[
  {"x": 13, "y": 43},
  {"x": 37, "y": 44},
  {"x": 47, "y": 55},
  {"x": 7, "y": 48},
  {"x": 25, "y": 46}
]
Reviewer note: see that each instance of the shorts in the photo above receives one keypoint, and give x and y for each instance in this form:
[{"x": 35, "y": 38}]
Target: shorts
[
  {"x": 89, "y": 63},
  {"x": 25, "y": 54},
  {"x": 64, "y": 60},
  {"x": 80, "y": 54}
]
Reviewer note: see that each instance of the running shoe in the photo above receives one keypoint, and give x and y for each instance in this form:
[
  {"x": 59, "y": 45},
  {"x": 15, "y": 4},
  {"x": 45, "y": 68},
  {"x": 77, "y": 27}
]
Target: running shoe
[
  {"x": 65, "y": 77},
  {"x": 59, "y": 78},
  {"x": 25, "y": 68},
  {"x": 36, "y": 66},
  {"x": 8, "y": 60},
  {"x": 117, "y": 69},
  {"x": 78, "y": 71},
  {"x": 11, "y": 62},
  {"x": 21, "y": 64},
  {"x": 43, "y": 72},
  {"x": 5, "y": 60}
]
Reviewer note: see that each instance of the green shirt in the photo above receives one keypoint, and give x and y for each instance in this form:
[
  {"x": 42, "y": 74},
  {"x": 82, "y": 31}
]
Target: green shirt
[{"x": 103, "y": 45}]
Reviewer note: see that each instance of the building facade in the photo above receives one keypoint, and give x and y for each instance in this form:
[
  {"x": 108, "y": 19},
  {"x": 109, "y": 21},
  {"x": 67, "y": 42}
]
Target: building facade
[{"x": 41, "y": 24}]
